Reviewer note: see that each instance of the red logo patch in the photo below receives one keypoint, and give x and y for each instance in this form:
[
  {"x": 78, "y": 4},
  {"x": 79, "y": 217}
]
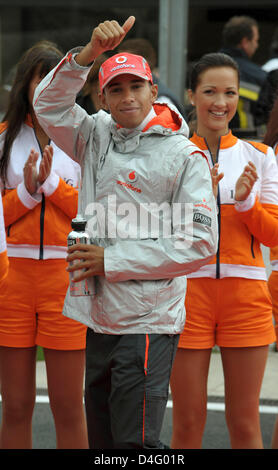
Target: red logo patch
[{"x": 132, "y": 176}]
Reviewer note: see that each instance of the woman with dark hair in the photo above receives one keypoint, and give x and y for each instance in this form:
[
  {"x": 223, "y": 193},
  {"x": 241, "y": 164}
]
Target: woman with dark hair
[
  {"x": 227, "y": 301},
  {"x": 271, "y": 138},
  {"x": 38, "y": 185}
]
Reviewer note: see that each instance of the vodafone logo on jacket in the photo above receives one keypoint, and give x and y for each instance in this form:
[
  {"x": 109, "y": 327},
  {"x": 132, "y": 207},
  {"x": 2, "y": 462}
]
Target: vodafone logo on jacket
[{"x": 132, "y": 176}]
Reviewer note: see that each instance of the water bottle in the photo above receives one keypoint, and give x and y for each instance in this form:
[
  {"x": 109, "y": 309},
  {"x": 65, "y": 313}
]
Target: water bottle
[{"x": 79, "y": 235}]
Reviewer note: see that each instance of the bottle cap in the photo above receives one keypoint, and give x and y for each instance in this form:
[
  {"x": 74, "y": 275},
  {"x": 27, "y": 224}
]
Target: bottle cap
[{"x": 79, "y": 223}]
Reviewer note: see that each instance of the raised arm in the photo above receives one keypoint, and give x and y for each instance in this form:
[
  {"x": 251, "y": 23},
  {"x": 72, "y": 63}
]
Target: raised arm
[
  {"x": 106, "y": 36},
  {"x": 66, "y": 123}
]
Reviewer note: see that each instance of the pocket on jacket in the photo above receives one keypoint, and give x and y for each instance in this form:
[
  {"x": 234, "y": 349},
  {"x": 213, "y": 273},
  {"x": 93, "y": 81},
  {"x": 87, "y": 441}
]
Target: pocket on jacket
[
  {"x": 165, "y": 290},
  {"x": 149, "y": 292},
  {"x": 121, "y": 299}
]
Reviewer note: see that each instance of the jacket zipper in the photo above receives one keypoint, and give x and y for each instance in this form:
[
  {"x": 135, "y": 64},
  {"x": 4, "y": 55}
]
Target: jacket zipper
[
  {"x": 219, "y": 231},
  {"x": 219, "y": 211},
  {"x": 42, "y": 214},
  {"x": 252, "y": 246},
  {"x": 9, "y": 226}
]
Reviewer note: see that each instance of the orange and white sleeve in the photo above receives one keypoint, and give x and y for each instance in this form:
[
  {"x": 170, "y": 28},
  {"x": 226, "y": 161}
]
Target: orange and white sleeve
[
  {"x": 61, "y": 194},
  {"x": 4, "y": 262},
  {"x": 260, "y": 212}
]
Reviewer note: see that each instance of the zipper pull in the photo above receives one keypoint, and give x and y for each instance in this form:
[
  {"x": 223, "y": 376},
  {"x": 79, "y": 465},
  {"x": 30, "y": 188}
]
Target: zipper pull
[{"x": 101, "y": 161}]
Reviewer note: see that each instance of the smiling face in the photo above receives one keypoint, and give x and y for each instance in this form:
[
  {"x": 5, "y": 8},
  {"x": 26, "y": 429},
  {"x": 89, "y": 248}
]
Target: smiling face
[
  {"x": 129, "y": 99},
  {"x": 215, "y": 98}
]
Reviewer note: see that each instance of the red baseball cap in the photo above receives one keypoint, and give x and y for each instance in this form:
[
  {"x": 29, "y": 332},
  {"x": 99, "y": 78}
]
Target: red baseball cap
[{"x": 123, "y": 63}]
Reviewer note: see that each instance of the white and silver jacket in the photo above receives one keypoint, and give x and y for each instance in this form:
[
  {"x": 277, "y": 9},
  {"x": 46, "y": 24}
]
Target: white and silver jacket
[{"x": 154, "y": 175}]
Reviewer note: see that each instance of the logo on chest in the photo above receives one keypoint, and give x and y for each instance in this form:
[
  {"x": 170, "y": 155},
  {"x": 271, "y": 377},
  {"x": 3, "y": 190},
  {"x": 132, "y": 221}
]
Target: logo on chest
[{"x": 130, "y": 177}]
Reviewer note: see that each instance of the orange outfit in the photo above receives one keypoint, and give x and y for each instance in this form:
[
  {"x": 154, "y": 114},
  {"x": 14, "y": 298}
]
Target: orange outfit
[
  {"x": 4, "y": 265},
  {"x": 229, "y": 312},
  {"x": 273, "y": 289},
  {"x": 32, "y": 298},
  {"x": 32, "y": 295},
  {"x": 4, "y": 262},
  {"x": 273, "y": 278},
  {"x": 227, "y": 301}
]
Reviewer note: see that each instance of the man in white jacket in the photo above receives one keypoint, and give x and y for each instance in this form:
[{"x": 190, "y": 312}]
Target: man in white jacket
[{"x": 135, "y": 160}]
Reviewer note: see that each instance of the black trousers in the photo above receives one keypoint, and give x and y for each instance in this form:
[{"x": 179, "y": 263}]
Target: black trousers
[{"x": 126, "y": 388}]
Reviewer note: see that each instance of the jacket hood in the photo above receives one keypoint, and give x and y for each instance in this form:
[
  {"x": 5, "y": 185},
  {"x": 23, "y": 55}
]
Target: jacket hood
[
  {"x": 166, "y": 122},
  {"x": 168, "y": 118}
]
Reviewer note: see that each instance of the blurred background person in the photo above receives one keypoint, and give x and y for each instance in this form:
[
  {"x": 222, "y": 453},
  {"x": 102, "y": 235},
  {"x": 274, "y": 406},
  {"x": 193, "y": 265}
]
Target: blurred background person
[
  {"x": 240, "y": 40},
  {"x": 268, "y": 91},
  {"x": 143, "y": 47},
  {"x": 88, "y": 98}
]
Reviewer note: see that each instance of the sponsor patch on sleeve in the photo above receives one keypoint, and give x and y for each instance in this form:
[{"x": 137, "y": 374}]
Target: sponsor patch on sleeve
[{"x": 202, "y": 219}]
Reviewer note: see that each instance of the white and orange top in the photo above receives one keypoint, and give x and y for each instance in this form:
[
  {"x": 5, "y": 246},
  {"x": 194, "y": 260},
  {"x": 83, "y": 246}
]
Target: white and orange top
[
  {"x": 243, "y": 226},
  {"x": 37, "y": 225},
  {"x": 4, "y": 262},
  {"x": 273, "y": 253}
]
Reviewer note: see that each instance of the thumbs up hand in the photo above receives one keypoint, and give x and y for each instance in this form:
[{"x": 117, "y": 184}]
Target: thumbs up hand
[{"x": 106, "y": 36}]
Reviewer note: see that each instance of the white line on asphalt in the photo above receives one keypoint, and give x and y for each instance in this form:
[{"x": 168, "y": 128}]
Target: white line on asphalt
[
  {"x": 221, "y": 407},
  {"x": 211, "y": 406},
  {"x": 42, "y": 399}
]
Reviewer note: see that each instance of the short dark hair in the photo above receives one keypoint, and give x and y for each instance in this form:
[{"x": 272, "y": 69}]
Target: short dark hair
[
  {"x": 237, "y": 28},
  {"x": 208, "y": 61},
  {"x": 140, "y": 46}
]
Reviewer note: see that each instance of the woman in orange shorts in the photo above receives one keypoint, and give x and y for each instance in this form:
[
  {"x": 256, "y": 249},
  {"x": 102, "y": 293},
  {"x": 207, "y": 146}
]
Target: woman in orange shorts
[
  {"x": 38, "y": 184},
  {"x": 271, "y": 138},
  {"x": 227, "y": 301}
]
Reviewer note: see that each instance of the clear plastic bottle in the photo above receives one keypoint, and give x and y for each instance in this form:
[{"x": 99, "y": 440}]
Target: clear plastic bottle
[{"x": 79, "y": 235}]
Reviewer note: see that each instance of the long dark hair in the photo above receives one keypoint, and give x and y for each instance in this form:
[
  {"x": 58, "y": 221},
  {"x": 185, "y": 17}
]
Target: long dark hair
[
  {"x": 40, "y": 58},
  {"x": 271, "y": 135}
]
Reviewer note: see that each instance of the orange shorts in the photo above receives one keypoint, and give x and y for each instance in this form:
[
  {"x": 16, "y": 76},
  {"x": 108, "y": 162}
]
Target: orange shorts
[
  {"x": 229, "y": 312},
  {"x": 273, "y": 289},
  {"x": 31, "y": 299}
]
